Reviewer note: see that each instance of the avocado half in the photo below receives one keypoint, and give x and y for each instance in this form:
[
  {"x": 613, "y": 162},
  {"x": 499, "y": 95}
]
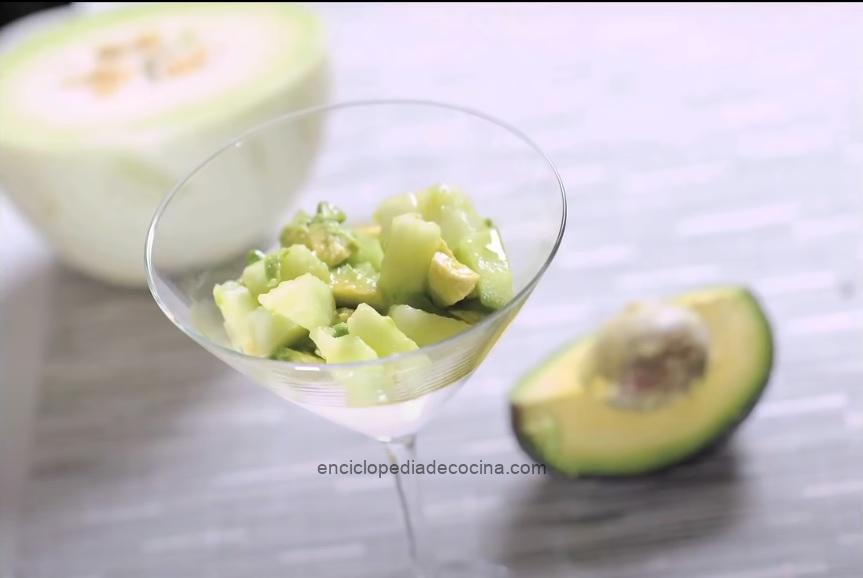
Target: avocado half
[{"x": 559, "y": 421}]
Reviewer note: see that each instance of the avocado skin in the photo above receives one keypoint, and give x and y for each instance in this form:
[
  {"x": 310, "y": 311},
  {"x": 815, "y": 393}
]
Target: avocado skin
[{"x": 708, "y": 447}]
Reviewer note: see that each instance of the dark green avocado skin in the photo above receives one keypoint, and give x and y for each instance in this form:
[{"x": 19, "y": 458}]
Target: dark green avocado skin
[{"x": 696, "y": 455}]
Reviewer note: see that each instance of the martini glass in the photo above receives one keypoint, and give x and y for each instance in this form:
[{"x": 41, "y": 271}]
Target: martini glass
[{"x": 354, "y": 155}]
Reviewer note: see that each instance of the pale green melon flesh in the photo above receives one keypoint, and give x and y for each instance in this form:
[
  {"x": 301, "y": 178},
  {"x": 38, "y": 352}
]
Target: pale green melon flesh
[
  {"x": 250, "y": 328},
  {"x": 88, "y": 169},
  {"x": 41, "y": 103},
  {"x": 306, "y": 300},
  {"x": 425, "y": 328},
  {"x": 409, "y": 251},
  {"x": 344, "y": 349},
  {"x": 379, "y": 331}
]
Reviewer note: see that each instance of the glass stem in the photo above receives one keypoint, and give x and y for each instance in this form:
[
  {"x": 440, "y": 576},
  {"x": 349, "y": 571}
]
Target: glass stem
[{"x": 400, "y": 452}]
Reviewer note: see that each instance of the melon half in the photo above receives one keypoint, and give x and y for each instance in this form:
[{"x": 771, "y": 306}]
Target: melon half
[{"x": 102, "y": 115}]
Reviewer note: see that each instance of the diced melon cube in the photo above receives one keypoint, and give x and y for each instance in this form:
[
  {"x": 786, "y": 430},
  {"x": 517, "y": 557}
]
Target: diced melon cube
[
  {"x": 306, "y": 300},
  {"x": 235, "y": 302},
  {"x": 379, "y": 332},
  {"x": 483, "y": 252},
  {"x": 413, "y": 243},
  {"x": 344, "y": 349},
  {"x": 391, "y": 208},
  {"x": 255, "y": 278},
  {"x": 252, "y": 329},
  {"x": 270, "y": 331},
  {"x": 425, "y": 328},
  {"x": 363, "y": 386},
  {"x": 453, "y": 211},
  {"x": 298, "y": 260}
]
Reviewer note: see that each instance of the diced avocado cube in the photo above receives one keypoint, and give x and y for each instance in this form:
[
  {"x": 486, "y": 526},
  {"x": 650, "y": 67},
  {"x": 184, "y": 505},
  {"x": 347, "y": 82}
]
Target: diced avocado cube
[
  {"x": 235, "y": 302},
  {"x": 354, "y": 285},
  {"x": 368, "y": 250},
  {"x": 306, "y": 300},
  {"x": 255, "y": 278},
  {"x": 425, "y": 328},
  {"x": 453, "y": 211},
  {"x": 450, "y": 281},
  {"x": 273, "y": 268},
  {"x": 483, "y": 252},
  {"x": 367, "y": 270},
  {"x": 413, "y": 242},
  {"x": 297, "y": 231},
  {"x": 470, "y": 311},
  {"x": 295, "y": 356},
  {"x": 297, "y": 260},
  {"x": 329, "y": 212},
  {"x": 254, "y": 256},
  {"x": 331, "y": 242},
  {"x": 343, "y": 313},
  {"x": 322, "y": 233},
  {"x": 270, "y": 331},
  {"x": 344, "y": 349},
  {"x": 287, "y": 263},
  {"x": 424, "y": 302},
  {"x": 305, "y": 344},
  {"x": 339, "y": 329},
  {"x": 391, "y": 208},
  {"x": 444, "y": 248},
  {"x": 379, "y": 332}
]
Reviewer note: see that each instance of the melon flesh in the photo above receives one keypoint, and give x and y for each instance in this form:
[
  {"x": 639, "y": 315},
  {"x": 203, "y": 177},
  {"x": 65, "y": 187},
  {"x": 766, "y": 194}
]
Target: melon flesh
[{"x": 96, "y": 129}]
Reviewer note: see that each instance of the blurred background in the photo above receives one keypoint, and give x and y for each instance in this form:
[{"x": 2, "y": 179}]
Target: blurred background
[{"x": 699, "y": 144}]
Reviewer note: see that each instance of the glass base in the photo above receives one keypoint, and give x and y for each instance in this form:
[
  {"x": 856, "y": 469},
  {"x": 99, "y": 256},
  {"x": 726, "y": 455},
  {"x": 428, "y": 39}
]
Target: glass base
[{"x": 462, "y": 569}]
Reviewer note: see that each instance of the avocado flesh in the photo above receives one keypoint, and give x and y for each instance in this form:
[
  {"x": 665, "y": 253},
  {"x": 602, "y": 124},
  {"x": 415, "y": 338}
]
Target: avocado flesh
[
  {"x": 296, "y": 356},
  {"x": 330, "y": 242},
  {"x": 352, "y": 286},
  {"x": 470, "y": 311},
  {"x": 449, "y": 280},
  {"x": 560, "y": 420},
  {"x": 322, "y": 233},
  {"x": 343, "y": 313},
  {"x": 368, "y": 250}
]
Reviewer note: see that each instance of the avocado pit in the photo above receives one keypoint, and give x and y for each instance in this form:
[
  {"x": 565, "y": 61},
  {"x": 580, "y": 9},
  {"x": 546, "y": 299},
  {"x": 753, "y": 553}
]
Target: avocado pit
[{"x": 649, "y": 355}]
